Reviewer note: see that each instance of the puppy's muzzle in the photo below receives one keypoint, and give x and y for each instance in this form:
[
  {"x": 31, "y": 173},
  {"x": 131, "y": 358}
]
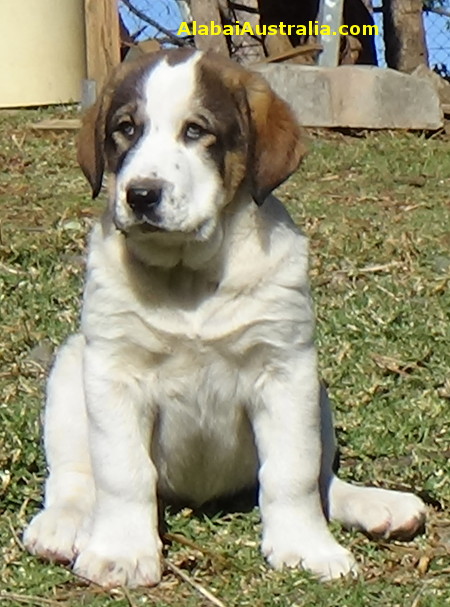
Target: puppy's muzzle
[{"x": 144, "y": 198}]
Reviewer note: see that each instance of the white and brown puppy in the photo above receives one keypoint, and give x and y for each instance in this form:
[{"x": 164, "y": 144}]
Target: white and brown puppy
[{"x": 194, "y": 374}]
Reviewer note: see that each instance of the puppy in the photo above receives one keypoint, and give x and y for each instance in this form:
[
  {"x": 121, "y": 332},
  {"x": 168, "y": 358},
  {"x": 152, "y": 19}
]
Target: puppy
[{"x": 194, "y": 374}]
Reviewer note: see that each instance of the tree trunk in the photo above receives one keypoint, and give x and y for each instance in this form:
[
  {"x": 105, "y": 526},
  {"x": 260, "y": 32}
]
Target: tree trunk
[
  {"x": 404, "y": 34},
  {"x": 203, "y": 12}
]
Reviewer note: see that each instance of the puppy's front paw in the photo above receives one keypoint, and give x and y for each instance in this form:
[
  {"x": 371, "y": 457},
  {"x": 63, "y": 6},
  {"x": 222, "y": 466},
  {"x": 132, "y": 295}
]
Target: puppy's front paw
[
  {"x": 131, "y": 562},
  {"x": 55, "y": 532},
  {"x": 322, "y": 556}
]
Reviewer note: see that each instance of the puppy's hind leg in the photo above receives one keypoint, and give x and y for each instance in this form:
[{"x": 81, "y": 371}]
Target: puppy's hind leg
[
  {"x": 376, "y": 512},
  {"x": 57, "y": 531}
]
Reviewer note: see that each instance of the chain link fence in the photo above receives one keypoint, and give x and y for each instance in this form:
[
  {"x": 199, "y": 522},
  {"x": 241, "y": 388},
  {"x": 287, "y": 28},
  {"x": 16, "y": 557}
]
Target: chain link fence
[
  {"x": 136, "y": 15},
  {"x": 437, "y": 29}
]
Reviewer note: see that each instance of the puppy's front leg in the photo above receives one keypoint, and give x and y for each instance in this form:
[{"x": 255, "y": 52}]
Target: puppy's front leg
[
  {"x": 124, "y": 547},
  {"x": 287, "y": 431}
]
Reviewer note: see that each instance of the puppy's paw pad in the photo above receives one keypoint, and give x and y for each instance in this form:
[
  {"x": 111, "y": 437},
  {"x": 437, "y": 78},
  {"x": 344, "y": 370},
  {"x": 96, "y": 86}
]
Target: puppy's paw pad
[
  {"x": 109, "y": 572},
  {"x": 52, "y": 534},
  {"x": 372, "y": 517},
  {"x": 408, "y": 514},
  {"x": 400, "y": 515}
]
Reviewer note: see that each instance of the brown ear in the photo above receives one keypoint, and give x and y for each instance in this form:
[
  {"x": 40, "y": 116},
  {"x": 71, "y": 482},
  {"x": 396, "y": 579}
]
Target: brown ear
[
  {"x": 277, "y": 146},
  {"x": 90, "y": 146}
]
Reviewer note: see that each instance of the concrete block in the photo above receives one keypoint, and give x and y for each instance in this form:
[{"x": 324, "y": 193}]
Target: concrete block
[{"x": 355, "y": 96}]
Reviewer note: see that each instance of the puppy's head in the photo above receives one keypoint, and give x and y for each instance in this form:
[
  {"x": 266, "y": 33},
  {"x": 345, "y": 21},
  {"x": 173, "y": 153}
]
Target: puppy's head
[{"x": 180, "y": 134}]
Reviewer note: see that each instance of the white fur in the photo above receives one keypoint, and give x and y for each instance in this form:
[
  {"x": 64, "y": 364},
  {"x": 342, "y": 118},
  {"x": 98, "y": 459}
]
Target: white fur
[{"x": 193, "y": 376}]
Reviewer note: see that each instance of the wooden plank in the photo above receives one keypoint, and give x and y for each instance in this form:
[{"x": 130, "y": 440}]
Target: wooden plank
[
  {"x": 102, "y": 38},
  {"x": 57, "y": 124},
  {"x": 305, "y": 49}
]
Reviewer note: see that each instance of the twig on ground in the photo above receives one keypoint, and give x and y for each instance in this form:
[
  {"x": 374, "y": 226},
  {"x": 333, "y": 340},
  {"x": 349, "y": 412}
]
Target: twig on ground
[
  {"x": 27, "y": 599},
  {"x": 377, "y": 268},
  {"x": 419, "y": 594},
  {"x": 198, "y": 587},
  {"x": 128, "y": 596},
  {"x": 15, "y": 536}
]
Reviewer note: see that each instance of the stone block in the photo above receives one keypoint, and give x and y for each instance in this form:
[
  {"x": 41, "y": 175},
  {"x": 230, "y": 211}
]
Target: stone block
[{"x": 355, "y": 96}]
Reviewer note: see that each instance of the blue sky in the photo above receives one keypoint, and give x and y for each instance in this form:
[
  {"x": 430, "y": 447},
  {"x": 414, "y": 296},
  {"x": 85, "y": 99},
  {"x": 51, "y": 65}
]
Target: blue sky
[{"x": 165, "y": 12}]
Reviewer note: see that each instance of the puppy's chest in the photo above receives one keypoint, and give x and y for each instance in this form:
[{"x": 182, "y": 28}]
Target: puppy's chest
[
  {"x": 179, "y": 324},
  {"x": 193, "y": 351}
]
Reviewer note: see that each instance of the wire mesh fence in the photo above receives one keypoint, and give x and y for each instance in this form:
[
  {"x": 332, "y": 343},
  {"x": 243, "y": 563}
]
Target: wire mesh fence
[
  {"x": 138, "y": 16},
  {"x": 437, "y": 29}
]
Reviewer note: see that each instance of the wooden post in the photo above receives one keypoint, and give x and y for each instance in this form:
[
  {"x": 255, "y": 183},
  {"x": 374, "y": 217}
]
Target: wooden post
[
  {"x": 330, "y": 13},
  {"x": 102, "y": 38}
]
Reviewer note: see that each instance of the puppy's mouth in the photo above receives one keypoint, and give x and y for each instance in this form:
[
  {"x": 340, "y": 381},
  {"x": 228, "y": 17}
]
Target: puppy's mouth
[
  {"x": 145, "y": 227},
  {"x": 148, "y": 219},
  {"x": 144, "y": 224}
]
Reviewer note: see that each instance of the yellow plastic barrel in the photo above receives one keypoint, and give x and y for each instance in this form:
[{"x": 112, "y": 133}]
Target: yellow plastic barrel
[{"x": 42, "y": 52}]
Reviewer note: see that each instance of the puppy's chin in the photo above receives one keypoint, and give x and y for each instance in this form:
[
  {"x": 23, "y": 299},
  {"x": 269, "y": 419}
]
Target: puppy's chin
[{"x": 165, "y": 249}]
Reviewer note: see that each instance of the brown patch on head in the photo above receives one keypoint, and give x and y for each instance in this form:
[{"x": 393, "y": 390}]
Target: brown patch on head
[
  {"x": 275, "y": 147},
  {"x": 112, "y": 125},
  {"x": 220, "y": 106}
]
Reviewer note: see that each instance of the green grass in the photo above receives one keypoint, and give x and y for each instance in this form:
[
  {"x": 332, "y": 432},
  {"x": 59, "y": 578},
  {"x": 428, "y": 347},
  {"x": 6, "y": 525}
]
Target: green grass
[{"x": 377, "y": 211}]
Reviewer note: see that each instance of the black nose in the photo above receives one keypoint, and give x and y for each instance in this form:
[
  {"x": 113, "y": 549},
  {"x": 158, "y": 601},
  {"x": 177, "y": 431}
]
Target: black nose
[{"x": 144, "y": 197}]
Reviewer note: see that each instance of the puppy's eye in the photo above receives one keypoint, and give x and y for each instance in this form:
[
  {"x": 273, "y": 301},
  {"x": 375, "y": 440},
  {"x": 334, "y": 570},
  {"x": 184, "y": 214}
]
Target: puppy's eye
[
  {"x": 126, "y": 128},
  {"x": 194, "y": 131}
]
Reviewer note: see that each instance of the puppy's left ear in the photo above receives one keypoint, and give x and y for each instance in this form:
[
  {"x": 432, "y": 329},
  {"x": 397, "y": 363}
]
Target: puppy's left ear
[
  {"x": 90, "y": 146},
  {"x": 277, "y": 144}
]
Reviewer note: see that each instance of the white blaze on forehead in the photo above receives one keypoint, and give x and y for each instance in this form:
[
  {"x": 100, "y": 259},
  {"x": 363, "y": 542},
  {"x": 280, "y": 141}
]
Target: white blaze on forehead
[
  {"x": 168, "y": 94},
  {"x": 169, "y": 90}
]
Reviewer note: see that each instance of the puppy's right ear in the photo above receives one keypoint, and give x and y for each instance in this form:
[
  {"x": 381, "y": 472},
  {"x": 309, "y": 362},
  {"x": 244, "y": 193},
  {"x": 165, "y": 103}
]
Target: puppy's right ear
[{"x": 90, "y": 150}]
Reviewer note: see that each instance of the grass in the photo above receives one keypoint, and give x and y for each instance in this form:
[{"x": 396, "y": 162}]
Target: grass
[{"x": 378, "y": 213}]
